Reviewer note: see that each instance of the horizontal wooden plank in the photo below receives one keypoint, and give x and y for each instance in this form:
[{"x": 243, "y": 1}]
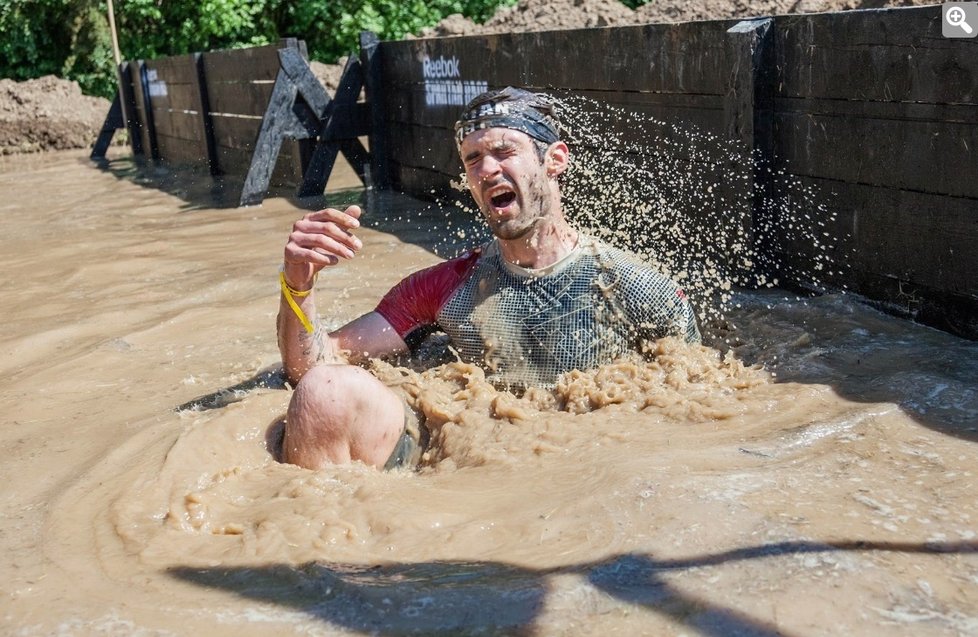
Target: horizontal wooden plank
[
  {"x": 688, "y": 58},
  {"x": 935, "y": 157},
  {"x": 181, "y": 151},
  {"x": 881, "y": 55},
  {"x": 931, "y": 306},
  {"x": 240, "y": 133},
  {"x": 897, "y": 26},
  {"x": 179, "y": 125},
  {"x": 426, "y": 184},
  {"x": 423, "y": 147},
  {"x": 240, "y": 98},
  {"x": 237, "y": 161},
  {"x": 242, "y": 65},
  {"x": 886, "y": 233},
  {"x": 178, "y": 69},
  {"x": 880, "y": 72},
  {"x": 233, "y": 161},
  {"x": 904, "y": 111},
  {"x": 180, "y": 97},
  {"x": 705, "y": 111},
  {"x": 236, "y": 132}
]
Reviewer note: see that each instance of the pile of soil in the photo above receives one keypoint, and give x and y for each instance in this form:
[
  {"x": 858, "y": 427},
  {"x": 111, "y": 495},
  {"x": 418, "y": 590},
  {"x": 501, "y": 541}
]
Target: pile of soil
[
  {"x": 682, "y": 11},
  {"x": 50, "y": 113},
  {"x": 547, "y": 15}
]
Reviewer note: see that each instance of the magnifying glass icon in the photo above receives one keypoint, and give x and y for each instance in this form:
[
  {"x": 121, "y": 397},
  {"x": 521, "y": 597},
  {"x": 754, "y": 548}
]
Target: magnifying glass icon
[{"x": 956, "y": 17}]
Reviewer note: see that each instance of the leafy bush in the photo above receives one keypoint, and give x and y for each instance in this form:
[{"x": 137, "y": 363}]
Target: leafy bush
[{"x": 70, "y": 38}]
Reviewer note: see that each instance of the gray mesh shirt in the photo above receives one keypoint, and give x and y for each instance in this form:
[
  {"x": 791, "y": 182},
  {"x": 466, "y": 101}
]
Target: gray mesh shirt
[{"x": 526, "y": 327}]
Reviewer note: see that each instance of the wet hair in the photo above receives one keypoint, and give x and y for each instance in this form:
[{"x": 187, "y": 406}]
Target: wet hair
[{"x": 532, "y": 113}]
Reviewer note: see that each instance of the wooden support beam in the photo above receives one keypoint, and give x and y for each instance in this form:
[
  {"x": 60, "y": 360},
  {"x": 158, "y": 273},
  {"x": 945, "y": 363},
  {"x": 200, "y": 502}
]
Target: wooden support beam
[
  {"x": 370, "y": 60},
  {"x": 145, "y": 108},
  {"x": 278, "y": 123},
  {"x": 129, "y": 111},
  {"x": 122, "y": 114},
  {"x": 338, "y": 132},
  {"x": 748, "y": 117},
  {"x": 113, "y": 121},
  {"x": 300, "y": 108},
  {"x": 204, "y": 109}
]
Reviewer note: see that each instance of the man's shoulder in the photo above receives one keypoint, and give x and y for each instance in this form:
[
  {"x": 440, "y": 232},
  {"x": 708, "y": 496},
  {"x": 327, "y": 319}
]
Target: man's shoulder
[
  {"x": 627, "y": 261},
  {"x": 462, "y": 262}
]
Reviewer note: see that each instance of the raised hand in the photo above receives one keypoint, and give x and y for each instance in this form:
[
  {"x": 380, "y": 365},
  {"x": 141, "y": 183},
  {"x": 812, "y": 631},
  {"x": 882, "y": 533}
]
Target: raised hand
[{"x": 318, "y": 240}]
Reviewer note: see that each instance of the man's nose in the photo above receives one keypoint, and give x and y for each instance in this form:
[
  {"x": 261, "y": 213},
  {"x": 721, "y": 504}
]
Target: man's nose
[{"x": 488, "y": 167}]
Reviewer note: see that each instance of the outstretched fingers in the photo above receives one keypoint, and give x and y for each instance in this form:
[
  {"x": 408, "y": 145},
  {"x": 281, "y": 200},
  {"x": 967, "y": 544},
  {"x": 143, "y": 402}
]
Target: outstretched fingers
[{"x": 323, "y": 238}]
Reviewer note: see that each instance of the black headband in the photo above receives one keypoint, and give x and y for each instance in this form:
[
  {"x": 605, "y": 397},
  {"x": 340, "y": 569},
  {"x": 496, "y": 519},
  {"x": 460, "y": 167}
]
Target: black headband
[{"x": 514, "y": 108}]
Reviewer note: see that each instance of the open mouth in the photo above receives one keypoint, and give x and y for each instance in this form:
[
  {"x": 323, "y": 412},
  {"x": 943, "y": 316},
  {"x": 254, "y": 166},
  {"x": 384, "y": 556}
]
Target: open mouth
[{"x": 503, "y": 199}]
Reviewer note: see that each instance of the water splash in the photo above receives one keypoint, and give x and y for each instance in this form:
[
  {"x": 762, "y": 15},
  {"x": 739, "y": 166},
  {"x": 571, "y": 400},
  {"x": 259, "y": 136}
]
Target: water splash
[{"x": 686, "y": 200}]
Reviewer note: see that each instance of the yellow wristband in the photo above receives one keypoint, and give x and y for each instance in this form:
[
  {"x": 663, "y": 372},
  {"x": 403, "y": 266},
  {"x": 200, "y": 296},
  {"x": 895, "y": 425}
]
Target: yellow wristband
[
  {"x": 294, "y": 292},
  {"x": 289, "y": 295}
]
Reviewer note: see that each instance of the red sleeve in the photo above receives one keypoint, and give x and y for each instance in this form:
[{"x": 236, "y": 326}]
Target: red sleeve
[{"x": 417, "y": 299}]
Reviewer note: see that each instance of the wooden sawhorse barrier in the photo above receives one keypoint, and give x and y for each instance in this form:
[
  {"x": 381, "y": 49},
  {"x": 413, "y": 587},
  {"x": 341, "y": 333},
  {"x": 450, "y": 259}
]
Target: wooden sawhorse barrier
[{"x": 200, "y": 109}]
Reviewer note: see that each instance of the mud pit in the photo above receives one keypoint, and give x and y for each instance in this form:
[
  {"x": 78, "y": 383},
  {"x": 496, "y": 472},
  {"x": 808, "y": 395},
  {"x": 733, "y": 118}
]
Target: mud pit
[{"x": 831, "y": 492}]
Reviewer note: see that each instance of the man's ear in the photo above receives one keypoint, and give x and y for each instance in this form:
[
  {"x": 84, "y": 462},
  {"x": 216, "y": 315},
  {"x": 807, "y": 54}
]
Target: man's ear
[{"x": 557, "y": 159}]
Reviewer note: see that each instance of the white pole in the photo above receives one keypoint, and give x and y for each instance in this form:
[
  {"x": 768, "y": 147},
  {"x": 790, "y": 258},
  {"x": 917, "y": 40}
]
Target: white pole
[
  {"x": 118, "y": 63},
  {"x": 115, "y": 36}
]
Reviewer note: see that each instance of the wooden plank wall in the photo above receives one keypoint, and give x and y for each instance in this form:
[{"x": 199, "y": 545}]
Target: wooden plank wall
[
  {"x": 178, "y": 112},
  {"x": 661, "y": 74},
  {"x": 658, "y": 71},
  {"x": 880, "y": 111},
  {"x": 872, "y": 110},
  {"x": 239, "y": 85},
  {"x": 204, "y": 110}
]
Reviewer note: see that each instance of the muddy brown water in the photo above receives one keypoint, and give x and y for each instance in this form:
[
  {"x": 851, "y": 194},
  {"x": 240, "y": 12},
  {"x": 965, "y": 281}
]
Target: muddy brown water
[{"x": 816, "y": 477}]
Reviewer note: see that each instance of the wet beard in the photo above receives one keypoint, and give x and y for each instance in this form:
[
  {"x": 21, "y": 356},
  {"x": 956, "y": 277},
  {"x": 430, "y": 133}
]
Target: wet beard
[{"x": 534, "y": 208}]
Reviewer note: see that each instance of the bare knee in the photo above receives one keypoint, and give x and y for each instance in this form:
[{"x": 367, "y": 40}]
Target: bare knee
[{"x": 341, "y": 413}]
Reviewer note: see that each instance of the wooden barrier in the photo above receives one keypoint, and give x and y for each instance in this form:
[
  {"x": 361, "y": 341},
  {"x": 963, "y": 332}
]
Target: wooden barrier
[
  {"x": 257, "y": 114},
  {"x": 879, "y": 109},
  {"x": 240, "y": 83},
  {"x": 874, "y": 109},
  {"x": 300, "y": 109}
]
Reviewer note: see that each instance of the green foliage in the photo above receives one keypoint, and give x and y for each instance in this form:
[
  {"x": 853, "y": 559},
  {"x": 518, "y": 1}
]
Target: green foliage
[
  {"x": 33, "y": 41},
  {"x": 70, "y": 38},
  {"x": 333, "y": 29},
  {"x": 149, "y": 29}
]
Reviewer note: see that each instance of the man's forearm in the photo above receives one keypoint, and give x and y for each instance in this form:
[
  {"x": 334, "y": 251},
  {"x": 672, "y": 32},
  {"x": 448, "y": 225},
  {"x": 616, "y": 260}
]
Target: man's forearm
[{"x": 302, "y": 350}]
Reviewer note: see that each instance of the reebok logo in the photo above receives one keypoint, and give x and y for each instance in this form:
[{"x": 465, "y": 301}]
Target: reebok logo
[{"x": 440, "y": 68}]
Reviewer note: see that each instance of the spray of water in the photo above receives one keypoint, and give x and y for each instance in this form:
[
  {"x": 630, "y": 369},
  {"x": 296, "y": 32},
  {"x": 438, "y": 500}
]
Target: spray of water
[{"x": 688, "y": 201}]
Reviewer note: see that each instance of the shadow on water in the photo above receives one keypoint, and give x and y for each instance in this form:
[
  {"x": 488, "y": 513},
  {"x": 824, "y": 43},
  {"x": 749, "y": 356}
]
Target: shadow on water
[
  {"x": 272, "y": 377},
  {"x": 195, "y": 187},
  {"x": 864, "y": 355},
  {"x": 458, "y": 598},
  {"x": 199, "y": 190},
  {"x": 409, "y": 219}
]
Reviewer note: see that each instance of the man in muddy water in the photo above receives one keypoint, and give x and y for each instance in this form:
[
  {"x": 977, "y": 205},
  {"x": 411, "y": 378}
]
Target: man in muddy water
[{"x": 538, "y": 300}]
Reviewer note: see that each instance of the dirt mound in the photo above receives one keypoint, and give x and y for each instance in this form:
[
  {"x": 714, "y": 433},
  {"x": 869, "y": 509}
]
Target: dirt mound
[
  {"x": 328, "y": 74},
  {"x": 682, "y": 11},
  {"x": 539, "y": 15},
  {"x": 547, "y": 15},
  {"x": 47, "y": 113}
]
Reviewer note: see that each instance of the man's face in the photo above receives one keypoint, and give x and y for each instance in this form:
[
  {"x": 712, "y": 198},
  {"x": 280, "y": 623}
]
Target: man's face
[{"x": 507, "y": 180}]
